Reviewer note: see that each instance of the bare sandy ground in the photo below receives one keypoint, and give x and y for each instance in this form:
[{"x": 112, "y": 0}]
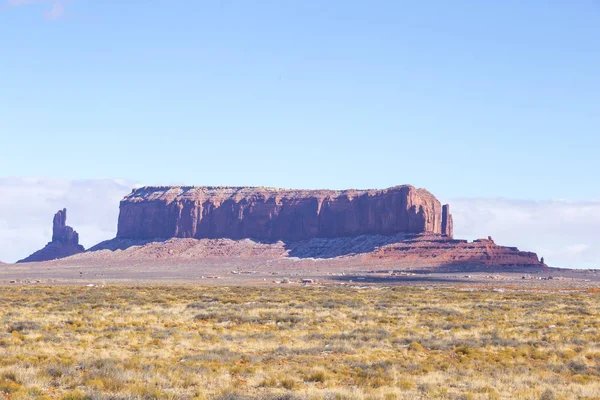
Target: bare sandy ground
[{"x": 347, "y": 271}]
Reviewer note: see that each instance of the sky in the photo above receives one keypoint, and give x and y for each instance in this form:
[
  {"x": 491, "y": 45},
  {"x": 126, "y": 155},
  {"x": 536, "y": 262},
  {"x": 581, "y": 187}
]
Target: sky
[{"x": 492, "y": 104}]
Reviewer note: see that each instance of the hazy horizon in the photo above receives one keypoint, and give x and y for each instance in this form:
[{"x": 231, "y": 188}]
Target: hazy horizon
[{"x": 564, "y": 232}]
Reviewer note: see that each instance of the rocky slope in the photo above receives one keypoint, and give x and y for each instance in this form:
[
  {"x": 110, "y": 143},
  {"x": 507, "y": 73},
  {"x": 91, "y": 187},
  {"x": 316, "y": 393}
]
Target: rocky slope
[
  {"x": 270, "y": 214},
  {"x": 443, "y": 251},
  {"x": 65, "y": 241},
  {"x": 416, "y": 250},
  {"x": 426, "y": 250}
]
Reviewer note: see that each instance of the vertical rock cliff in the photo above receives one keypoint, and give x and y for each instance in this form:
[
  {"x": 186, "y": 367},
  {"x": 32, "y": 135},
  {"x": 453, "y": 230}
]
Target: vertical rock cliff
[
  {"x": 272, "y": 214},
  {"x": 65, "y": 241},
  {"x": 447, "y": 223},
  {"x": 61, "y": 233}
]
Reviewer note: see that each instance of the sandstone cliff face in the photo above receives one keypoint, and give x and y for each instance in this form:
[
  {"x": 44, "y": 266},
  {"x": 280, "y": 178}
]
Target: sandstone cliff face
[
  {"x": 65, "y": 241},
  {"x": 61, "y": 232},
  {"x": 447, "y": 223},
  {"x": 271, "y": 214},
  {"x": 400, "y": 225}
]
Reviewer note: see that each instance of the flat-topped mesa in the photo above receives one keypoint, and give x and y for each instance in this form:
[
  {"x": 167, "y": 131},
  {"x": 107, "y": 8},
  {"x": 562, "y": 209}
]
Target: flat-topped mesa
[
  {"x": 272, "y": 214},
  {"x": 65, "y": 241}
]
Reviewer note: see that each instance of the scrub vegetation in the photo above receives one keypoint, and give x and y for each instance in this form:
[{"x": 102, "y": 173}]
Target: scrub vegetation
[{"x": 168, "y": 342}]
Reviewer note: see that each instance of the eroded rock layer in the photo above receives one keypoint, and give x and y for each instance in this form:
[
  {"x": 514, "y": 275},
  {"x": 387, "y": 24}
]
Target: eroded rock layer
[
  {"x": 442, "y": 251},
  {"x": 447, "y": 224},
  {"x": 65, "y": 241},
  {"x": 366, "y": 251},
  {"x": 272, "y": 214}
]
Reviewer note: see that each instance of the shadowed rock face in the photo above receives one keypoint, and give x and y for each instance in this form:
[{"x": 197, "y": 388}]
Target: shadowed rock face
[
  {"x": 61, "y": 232},
  {"x": 271, "y": 214},
  {"x": 65, "y": 241},
  {"x": 447, "y": 223},
  {"x": 426, "y": 250}
]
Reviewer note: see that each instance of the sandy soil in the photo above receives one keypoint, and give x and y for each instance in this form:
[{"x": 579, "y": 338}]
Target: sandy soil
[{"x": 269, "y": 272}]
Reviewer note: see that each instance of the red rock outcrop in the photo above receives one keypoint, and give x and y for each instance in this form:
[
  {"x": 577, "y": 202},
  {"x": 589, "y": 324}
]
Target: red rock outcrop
[
  {"x": 271, "y": 214},
  {"x": 65, "y": 241},
  {"x": 400, "y": 225},
  {"x": 61, "y": 232},
  {"x": 447, "y": 223},
  {"x": 439, "y": 250},
  {"x": 399, "y": 251}
]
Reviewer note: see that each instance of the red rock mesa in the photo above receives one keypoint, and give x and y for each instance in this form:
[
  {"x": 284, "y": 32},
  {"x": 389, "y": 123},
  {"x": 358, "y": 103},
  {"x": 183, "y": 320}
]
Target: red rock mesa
[
  {"x": 401, "y": 224},
  {"x": 270, "y": 214}
]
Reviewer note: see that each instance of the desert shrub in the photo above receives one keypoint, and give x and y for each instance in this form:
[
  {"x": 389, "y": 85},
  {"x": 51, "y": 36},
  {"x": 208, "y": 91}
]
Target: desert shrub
[
  {"x": 578, "y": 366},
  {"x": 232, "y": 396},
  {"x": 464, "y": 350},
  {"x": 414, "y": 346},
  {"x": 316, "y": 376},
  {"x": 268, "y": 382},
  {"x": 405, "y": 384},
  {"x": 75, "y": 395},
  {"x": 266, "y": 396},
  {"x": 123, "y": 343},
  {"x": 23, "y": 326},
  {"x": 215, "y": 355},
  {"x": 548, "y": 395},
  {"x": 197, "y": 305},
  {"x": 288, "y": 383},
  {"x": 373, "y": 375},
  {"x": 9, "y": 386}
]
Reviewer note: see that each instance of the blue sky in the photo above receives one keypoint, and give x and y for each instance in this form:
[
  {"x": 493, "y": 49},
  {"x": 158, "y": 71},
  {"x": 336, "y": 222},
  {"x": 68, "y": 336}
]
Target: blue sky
[
  {"x": 465, "y": 98},
  {"x": 494, "y": 106}
]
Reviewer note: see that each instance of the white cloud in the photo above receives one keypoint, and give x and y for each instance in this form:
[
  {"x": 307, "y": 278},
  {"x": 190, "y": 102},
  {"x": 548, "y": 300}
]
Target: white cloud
[
  {"x": 55, "y": 9},
  {"x": 27, "y": 206},
  {"x": 566, "y": 233}
]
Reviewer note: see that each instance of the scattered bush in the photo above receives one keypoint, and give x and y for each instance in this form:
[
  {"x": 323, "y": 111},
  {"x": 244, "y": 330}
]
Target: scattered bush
[{"x": 120, "y": 343}]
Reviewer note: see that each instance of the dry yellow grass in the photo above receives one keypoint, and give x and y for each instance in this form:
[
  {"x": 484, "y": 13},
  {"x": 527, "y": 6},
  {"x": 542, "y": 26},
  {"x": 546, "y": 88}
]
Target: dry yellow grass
[{"x": 294, "y": 343}]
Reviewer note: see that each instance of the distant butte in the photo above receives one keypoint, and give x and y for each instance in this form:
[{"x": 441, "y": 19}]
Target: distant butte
[
  {"x": 398, "y": 227},
  {"x": 402, "y": 225},
  {"x": 65, "y": 241},
  {"x": 272, "y": 214}
]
